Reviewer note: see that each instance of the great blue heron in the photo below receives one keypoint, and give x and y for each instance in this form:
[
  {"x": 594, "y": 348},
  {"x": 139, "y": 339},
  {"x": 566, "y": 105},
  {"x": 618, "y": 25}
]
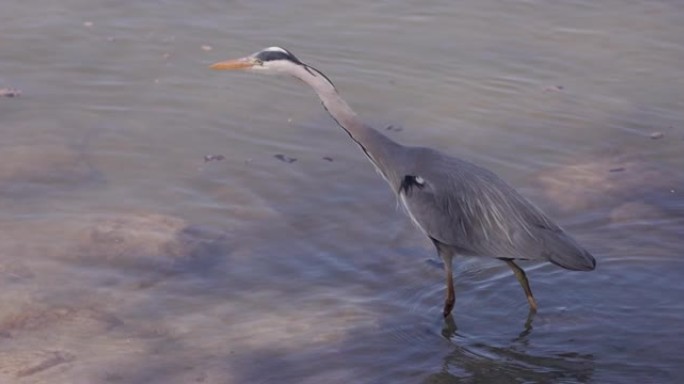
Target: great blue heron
[{"x": 462, "y": 208}]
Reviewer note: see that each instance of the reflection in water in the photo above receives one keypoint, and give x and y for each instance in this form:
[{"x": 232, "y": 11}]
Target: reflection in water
[
  {"x": 450, "y": 328},
  {"x": 449, "y": 331},
  {"x": 478, "y": 362},
  {"x": 481, "y": 363}
]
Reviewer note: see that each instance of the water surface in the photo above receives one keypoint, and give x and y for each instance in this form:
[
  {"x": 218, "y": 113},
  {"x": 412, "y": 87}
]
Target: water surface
[{"x": 125, "y": 257}]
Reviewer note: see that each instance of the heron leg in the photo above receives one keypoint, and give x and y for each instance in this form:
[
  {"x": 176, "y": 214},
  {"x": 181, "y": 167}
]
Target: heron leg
[
  {"x": 522, "y": 278},
  {"x": 446, "y": 254},
  {"x": 451, "y": 294}
]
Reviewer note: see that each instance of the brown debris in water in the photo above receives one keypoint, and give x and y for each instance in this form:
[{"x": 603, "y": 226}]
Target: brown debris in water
[
  {"x": 285, "y": 159},
  {"x": 554, "y": 88},
  {"x": 209, "y": 158},
  {"x": 10, "y": 92},
  {"x": 393, "y": 128}
]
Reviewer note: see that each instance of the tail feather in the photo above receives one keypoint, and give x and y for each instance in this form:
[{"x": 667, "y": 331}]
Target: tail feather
[{"x": 563, "y": 251}]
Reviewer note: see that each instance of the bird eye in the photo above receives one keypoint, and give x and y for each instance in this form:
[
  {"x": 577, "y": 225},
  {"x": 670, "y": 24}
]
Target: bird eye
[{"x": 409, "y": 182}]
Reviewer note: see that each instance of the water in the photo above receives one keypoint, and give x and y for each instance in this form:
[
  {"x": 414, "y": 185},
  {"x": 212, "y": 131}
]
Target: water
[{"x": 125, "y": 257}]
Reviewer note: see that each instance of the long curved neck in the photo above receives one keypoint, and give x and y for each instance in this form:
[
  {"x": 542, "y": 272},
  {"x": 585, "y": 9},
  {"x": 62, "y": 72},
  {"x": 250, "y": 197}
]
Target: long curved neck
[{"x": 379, "y": 149}]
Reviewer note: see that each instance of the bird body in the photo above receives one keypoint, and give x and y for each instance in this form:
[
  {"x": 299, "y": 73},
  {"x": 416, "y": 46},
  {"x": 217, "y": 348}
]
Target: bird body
[
  {"x": 473, "y": 211},
  {"x": 462, "y": 208}
]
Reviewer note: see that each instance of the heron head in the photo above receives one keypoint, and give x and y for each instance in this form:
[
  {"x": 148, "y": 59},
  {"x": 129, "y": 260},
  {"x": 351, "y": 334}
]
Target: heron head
[{"x": 269, "y": 60}]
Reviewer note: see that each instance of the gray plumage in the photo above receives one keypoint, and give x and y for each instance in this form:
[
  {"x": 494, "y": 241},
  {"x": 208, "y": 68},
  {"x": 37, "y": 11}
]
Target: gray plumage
[
  {"x": 463, "y": 208},
  {"x": 473, "y": 211}
]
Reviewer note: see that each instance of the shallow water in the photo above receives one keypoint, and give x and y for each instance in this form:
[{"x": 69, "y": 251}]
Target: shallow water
[{"x": 125, "y": 257}]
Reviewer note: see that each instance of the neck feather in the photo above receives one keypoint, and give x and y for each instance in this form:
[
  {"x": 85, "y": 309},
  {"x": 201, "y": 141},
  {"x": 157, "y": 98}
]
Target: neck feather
[{"x": 379, "y": 149}]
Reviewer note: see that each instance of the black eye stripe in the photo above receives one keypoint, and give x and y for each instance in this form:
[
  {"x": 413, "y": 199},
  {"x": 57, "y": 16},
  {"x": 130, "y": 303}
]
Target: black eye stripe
[
  {"x": 274, "y": 55},
  {"x": 277, "y": 55}
]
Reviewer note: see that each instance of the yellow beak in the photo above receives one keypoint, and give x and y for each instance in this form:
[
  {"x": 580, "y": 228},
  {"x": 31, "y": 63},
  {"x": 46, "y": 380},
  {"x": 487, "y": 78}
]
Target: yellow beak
[{"x": 227, "y": 65}]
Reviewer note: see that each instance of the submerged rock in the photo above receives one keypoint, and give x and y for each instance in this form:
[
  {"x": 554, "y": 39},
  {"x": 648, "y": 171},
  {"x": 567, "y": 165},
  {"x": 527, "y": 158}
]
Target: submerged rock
[
  {"x": 145, "y": 241},
  {"x": 129, "y": 239},
  {"x": 27, "y": 363},
  {"x": 35, "y": 318},
  {"x": 635, "y": 210},
  {"x": 604, "y": 182},
  {"x": 41, "y": 164},
  {"x": 83, "y": 305}
]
